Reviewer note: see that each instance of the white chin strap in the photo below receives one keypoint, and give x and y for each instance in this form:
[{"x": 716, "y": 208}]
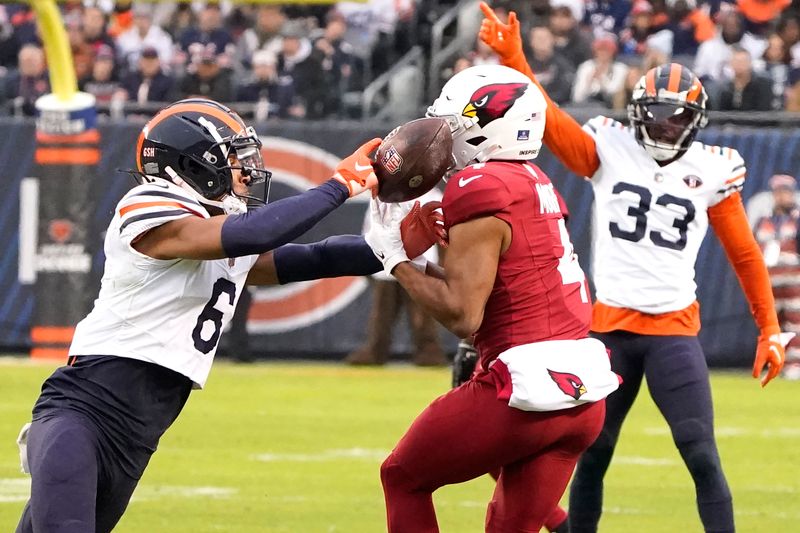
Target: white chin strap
[
  {"x": 229, "y": 204},
  {"x": 659, "y": 153}
]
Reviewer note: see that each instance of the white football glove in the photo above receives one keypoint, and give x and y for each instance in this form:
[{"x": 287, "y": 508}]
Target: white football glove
[
  {"x": 383, "y": 235},
  {"x": 22, "y": 443}
]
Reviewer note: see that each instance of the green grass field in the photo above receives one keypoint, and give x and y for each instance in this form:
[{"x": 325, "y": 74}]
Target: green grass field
[{"x": 296, "y": 448}]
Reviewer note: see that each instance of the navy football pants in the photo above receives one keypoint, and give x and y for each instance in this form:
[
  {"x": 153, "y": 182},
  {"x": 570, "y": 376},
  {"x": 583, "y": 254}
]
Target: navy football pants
[
  {"x": 66, "y": 460},
  {"x": 677, "y": 377}
]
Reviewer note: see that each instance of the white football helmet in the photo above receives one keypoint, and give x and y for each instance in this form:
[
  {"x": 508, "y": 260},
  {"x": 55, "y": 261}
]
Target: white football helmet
[{"x": 494, "y": 112}]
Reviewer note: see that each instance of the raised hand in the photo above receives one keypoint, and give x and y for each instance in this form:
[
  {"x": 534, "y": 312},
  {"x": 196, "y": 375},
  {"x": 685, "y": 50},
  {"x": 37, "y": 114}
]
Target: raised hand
[
  {"x": 356, "y": 172},
  {"x": 504, "y": 39}
]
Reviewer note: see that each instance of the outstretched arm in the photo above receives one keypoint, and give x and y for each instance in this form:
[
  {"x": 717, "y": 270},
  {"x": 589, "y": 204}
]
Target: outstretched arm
[
  {"x": 730, "y": 223},
  {"x": 562, "y": 135},
  {"x": 264, "y": 229},
  {"x": 347, "y": 255}
]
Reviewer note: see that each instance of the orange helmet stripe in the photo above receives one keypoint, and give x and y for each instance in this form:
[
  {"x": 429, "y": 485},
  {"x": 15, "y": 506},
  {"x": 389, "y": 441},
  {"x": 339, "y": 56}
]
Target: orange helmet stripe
[
  {"x": 139, "y": 150},
  {"x": 695, "y": 91},
  {"x": 674, "y": 77},
  {"x": 650, "y": 82},
  {"x": 198, "y": 108},
  {"x": 219, "y": 114}
]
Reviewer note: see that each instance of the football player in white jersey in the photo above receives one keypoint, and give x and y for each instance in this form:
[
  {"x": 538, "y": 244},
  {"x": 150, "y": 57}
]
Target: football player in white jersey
[
  {"x": 179, "y": 250},
  {"x": 656, "y": 191}
]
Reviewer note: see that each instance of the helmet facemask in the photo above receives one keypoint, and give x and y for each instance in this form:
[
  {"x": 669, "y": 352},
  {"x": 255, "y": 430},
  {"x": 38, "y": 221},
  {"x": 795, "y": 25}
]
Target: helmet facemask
[
  {"x": 666, "y": 120},
  {"x": 460, "y": 130},
  {"x": 241, "y": 152}
]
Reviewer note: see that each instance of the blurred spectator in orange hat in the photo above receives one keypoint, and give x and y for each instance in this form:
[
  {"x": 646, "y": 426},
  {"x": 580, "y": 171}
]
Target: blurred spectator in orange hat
[
  {"x": 599, "y": 79},
  {"x": 759, "y": 15},
  {"x": 143, "y": 34},
  {"x": 570, "y": 42},
  {"x": 121, "y": 19},
  {"x": 148, "y": 82},
  {"x": 554, "y": 72},
  {"x": 777, "y": 234}
]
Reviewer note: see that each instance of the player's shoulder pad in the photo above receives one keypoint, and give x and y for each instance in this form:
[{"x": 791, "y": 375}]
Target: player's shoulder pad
[
  {"x": 474, "y": 192},
  {"x": 160, "y": 194},
  {"x": 152, "y": 204},
  {"x": 728, "y": 164},
  {"x": 601, "y": 123}
]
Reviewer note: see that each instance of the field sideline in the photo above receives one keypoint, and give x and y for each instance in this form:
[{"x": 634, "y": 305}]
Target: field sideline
[{"x": 295, "y": 448}]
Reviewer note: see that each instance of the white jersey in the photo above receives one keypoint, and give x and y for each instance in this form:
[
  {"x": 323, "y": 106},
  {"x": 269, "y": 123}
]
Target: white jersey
[
  {"x": 167, "y": 312},
  {"x": 649, "y": 221}
]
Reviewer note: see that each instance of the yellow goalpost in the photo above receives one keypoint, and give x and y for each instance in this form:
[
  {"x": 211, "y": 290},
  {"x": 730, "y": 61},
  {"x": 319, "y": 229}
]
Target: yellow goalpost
[{"x": 57, "y": 49}]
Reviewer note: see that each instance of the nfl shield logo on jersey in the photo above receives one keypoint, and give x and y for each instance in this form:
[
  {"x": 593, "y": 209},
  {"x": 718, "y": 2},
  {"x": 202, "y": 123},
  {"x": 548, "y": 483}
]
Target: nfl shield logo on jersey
[
  {"x": 692, "y": 181},
  {"x": 392, "y": 160}
]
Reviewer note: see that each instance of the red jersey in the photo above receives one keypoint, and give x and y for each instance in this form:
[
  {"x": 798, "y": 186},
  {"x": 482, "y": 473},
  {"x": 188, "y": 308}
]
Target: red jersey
[{"x": 540, "y": 292}]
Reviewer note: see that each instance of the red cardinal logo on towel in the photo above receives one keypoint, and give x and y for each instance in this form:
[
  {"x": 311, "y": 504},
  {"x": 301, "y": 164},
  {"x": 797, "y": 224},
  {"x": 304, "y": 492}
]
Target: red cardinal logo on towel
[{"x": 570, "y": 384}]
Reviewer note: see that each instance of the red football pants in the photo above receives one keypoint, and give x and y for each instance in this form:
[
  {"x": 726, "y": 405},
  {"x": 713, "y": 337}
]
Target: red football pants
[{"x": 468, "y": 432}]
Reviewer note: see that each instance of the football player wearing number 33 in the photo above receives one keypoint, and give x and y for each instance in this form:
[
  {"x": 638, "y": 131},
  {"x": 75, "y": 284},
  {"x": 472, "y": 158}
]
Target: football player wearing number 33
[
  {"x": 656, "y": 191},
  {"x": 179, "y": 249}
]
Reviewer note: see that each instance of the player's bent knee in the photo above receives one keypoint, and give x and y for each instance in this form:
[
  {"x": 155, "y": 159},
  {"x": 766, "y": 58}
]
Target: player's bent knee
[
  {"x": 394, "y": 477},
  {"x": 692, "y": 430},
  {"x": 695, "y": 441},
  {"x": 69, "y": 454}
]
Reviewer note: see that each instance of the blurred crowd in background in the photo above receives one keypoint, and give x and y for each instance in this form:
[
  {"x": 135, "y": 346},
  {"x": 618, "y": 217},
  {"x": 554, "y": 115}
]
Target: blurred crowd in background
[{"x": 314, "y": 61}]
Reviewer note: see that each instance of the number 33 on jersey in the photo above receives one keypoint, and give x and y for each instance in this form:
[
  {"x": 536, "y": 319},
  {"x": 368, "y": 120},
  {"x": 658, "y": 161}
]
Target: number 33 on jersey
[{"x": 651, "y": 220}]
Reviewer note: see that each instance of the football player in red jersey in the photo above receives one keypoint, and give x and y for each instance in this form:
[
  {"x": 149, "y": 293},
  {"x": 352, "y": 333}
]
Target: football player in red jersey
[{"x": 510, "y": 277}]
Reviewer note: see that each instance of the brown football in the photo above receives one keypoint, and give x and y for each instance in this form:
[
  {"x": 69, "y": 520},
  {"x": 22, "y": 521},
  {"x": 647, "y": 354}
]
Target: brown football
[{"x": 412, "y": 159}]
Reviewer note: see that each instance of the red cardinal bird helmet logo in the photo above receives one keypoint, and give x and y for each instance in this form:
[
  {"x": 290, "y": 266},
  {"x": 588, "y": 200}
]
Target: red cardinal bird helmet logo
[
  {"x": 493, "y": 101},
  {"x": 570, "y": 384}
]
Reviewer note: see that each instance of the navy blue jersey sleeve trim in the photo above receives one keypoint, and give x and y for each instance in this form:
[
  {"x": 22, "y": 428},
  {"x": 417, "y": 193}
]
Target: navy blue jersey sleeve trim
[{"x": 342, "y": 255}]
